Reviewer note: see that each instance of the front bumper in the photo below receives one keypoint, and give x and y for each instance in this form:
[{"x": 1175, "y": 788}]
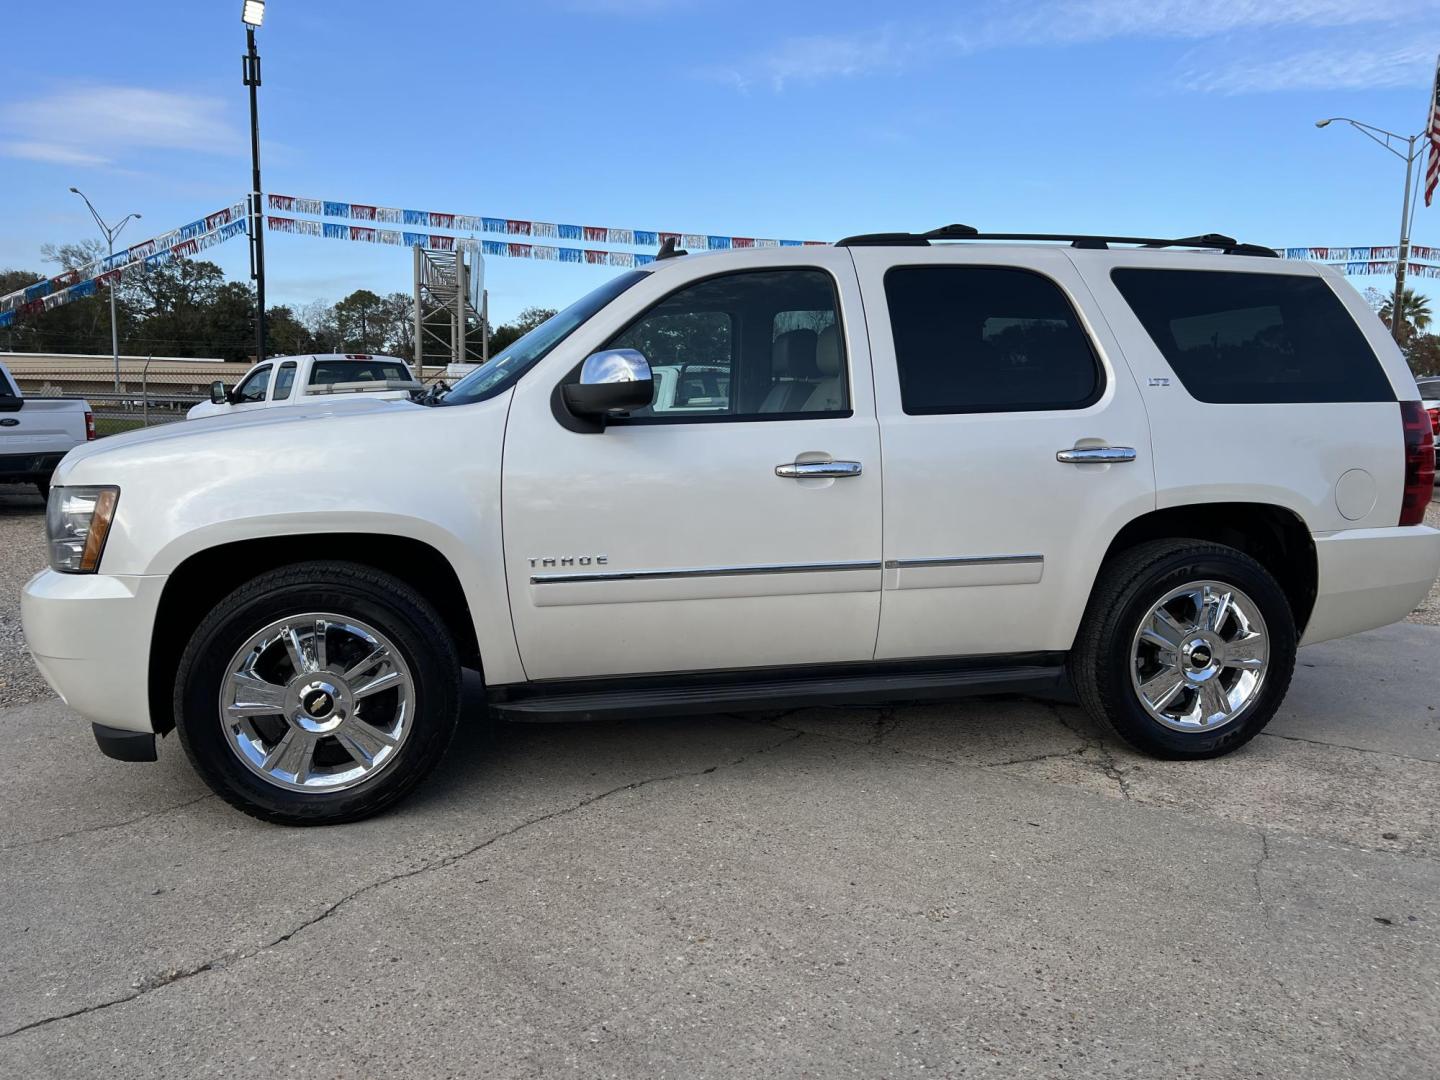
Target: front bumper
[
  {"x": 1370, "y": 578},
  {"x": 90, "y": 636}
]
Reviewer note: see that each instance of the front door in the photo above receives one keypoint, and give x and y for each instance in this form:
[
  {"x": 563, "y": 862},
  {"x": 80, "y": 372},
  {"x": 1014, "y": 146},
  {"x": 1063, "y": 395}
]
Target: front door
[
  {"x": 1016, "y": 445},
  {"x": 694, "y": 535}
]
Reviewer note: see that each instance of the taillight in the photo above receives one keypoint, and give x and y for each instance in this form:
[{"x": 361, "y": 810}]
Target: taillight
[
  {"x": 1435, "y": 422},
  {"x": 89, "y": 426},
  {"x": 1419, "y": 462}
]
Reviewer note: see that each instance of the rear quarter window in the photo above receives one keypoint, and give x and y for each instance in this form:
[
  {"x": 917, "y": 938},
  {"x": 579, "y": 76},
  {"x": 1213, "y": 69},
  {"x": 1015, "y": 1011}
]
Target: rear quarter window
[{"x": 1245, "y": 338}]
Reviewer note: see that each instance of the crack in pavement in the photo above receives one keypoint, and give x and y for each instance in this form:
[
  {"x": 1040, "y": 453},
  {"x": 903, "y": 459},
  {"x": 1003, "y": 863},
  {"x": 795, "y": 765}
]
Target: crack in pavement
[
  {"x": 108, "y": 825},
  {"x": 1345, "y": 746},
  {"x": 1108, "y": 768},
  {"x": 1265, "y": 910},
  {"x": 150, "y": 984}
]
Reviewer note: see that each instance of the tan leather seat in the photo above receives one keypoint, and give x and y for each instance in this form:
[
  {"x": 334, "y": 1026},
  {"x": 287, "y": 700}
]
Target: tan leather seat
[
  {"x": 829, "y": 392},
  {"x": 792, "y": 367}
]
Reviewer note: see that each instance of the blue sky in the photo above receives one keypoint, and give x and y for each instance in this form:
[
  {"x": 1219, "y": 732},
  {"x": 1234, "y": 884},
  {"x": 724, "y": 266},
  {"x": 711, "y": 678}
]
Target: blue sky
[{"x": 796, "y": 119}]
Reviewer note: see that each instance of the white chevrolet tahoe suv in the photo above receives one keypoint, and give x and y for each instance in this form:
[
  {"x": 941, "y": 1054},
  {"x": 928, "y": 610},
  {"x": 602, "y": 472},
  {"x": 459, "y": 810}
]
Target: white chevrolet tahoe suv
[{"x": 898, "y": 467}]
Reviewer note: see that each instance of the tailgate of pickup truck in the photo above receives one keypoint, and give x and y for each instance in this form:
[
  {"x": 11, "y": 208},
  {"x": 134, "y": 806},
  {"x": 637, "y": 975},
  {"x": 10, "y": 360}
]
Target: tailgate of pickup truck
[{"x": 42, "y": 426}]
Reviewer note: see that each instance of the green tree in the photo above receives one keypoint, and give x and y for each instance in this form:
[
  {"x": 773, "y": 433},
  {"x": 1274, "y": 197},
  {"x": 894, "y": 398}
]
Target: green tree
[
  {"x": 360, "y": 319},
  {"x": 286, "y": 334},
  {"x": 1414, "y": 309},
  {"x": 1422, "y": 352},
  {"x": 505, "y": 335}
]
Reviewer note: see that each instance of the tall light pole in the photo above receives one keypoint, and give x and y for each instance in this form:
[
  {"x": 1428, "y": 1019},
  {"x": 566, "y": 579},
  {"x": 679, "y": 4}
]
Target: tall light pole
[
  {"x": 253, "y": 15},
  {"x": 110, "y": 233},
  {"x": 1410, "y": 156}
]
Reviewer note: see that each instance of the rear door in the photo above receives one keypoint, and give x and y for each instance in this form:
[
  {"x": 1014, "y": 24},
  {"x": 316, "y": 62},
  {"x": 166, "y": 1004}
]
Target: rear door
[{"x": 1015, "y": 446}]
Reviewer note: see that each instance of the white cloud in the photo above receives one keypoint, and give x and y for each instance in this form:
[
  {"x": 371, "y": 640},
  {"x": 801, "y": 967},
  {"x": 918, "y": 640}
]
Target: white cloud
[
  {"x": 896, "y": 46},
  {"x": 43, "y": 151},
  {"x": 1338, "y": 68},
  {"x": 98, "y": 125},
  {"x": 1063, "y": 21},
  {"x": 627, "y": 7},
  {"x": 822, "y": 56}
]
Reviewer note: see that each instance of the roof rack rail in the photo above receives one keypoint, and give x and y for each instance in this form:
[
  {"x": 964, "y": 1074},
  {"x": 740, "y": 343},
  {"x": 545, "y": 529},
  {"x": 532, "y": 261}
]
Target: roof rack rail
[{"x": 1216, "y": 241}]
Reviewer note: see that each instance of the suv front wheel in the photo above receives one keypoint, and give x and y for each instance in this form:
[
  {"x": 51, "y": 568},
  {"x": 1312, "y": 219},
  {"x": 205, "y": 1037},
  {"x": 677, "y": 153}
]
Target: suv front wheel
[
  {"x": 1187, "y": 648},
  {"x": 317, "y": 693}
]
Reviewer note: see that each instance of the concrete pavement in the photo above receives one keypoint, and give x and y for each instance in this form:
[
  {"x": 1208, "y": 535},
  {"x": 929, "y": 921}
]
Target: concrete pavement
[{"x": 990, "y": 888}]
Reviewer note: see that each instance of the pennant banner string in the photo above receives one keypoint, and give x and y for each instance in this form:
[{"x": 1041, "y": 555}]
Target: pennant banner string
[{"x": 419, "y": 229}]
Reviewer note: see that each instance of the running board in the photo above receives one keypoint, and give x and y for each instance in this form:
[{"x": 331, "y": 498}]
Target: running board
[{"x": 844, "y": 684}]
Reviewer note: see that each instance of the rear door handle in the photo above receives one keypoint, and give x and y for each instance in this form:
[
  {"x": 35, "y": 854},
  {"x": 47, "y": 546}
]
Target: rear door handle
[
  {"x": 818, "y": 470},
  {"x": 1096, "y": 455}
]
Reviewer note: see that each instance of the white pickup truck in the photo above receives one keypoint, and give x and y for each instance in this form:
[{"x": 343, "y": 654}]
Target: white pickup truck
[
  {"x": 289, "y": 381},
  {"x": 902, "y": 466},
  {"x": 36, "y": 433}
]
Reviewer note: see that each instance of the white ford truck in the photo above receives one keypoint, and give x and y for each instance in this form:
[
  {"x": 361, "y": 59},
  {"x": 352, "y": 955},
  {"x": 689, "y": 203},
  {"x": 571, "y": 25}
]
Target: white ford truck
[
  {"x": 35, "y": 434},
  {"x": 902, "y": 466},
  {"x": 288, "y": 381}
]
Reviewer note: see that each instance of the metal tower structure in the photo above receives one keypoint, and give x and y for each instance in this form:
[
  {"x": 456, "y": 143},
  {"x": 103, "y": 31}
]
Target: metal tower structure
[{"x": 450, "y": 302}]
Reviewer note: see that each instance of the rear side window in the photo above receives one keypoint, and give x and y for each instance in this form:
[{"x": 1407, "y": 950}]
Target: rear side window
[
  {"x": 1253, "y": 339},
  {"x": 284, "y": 381},
  {"x": 987, "y": 339}
]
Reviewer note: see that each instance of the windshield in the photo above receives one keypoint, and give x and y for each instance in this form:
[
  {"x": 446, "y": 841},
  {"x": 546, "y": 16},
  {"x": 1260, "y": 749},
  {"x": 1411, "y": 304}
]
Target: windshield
[{"x": 505, "y": 367}]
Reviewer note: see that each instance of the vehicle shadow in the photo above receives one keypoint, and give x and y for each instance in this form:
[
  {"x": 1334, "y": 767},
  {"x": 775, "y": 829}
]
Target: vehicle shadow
[{"x": 20, "y": 501}]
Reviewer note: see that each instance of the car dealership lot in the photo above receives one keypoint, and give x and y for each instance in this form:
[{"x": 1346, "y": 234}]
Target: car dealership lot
[{"x": 992, "y": 887}]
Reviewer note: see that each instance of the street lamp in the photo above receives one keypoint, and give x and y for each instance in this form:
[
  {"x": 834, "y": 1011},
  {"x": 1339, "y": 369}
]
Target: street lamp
[
  {"x": 110, "y": 234},
  {"x": 1410, "y": 156},
  {"x": 253, "y": 15}
]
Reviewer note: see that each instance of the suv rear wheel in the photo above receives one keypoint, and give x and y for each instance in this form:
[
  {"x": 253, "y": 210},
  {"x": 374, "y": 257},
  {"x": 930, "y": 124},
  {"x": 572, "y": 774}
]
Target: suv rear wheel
[
  {"x": 317, "y": 693},
  {"x": 1187, "y": 648}
]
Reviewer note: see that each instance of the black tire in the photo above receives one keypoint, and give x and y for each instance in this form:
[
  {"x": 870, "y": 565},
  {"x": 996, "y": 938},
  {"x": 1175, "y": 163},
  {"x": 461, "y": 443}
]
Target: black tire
[
  {"x": 1100, "y": 663},
  {"x": 383, "y": 602}
]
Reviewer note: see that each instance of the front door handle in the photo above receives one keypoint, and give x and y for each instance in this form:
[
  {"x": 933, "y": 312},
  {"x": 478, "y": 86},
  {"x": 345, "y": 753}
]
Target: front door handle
[
  {"x": 818, "y": 470},
  {"x": 1096, "y": 455}
]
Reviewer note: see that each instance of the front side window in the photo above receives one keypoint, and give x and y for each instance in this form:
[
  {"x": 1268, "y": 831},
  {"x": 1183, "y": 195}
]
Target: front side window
[
  {"x": 757, "y": 345},
  {"x": 1238, "y": 338},
  {"x": 254, "y": 386},
  {"x": 987, "y": 339},
  {"x": 284, "y": 380}
]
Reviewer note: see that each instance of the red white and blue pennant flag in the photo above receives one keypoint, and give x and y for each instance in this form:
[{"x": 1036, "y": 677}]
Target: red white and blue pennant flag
[
  {"x": 514, "y": 228},
  {"x": 432, "y": 230},
  {"x": 79, "y": 282}
]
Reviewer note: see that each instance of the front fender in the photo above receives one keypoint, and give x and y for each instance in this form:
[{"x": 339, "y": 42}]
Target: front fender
[{"x": 432, "y": 475}]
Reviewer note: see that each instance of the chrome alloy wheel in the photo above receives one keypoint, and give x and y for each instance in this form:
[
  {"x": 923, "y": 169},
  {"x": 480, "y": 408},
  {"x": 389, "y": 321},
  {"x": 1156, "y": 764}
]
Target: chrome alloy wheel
[
  {"x": 1199, "y": 656},
  {"x": 317, "y": 702}
]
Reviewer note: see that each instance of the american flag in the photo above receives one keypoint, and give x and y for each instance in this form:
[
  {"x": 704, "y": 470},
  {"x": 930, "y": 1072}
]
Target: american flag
[{"x": 1432, "y": 131}]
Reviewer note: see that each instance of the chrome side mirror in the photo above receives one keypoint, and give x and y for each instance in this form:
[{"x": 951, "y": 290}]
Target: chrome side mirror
[
  {"x": 217, "y": 393},
  {"x": 611, "y": 382}
]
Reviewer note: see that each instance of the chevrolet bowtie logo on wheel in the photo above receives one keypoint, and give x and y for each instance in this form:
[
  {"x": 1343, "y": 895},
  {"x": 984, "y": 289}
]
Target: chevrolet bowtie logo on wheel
[{"x": 319, "y": 703}]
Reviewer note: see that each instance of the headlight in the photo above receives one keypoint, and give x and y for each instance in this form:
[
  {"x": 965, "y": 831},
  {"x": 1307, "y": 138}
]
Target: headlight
[{"x": 77, "y": 521}]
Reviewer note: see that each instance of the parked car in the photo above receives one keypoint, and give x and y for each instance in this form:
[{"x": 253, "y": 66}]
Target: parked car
[
  {"x": 288, "y": 381},
  {"x": 932, "y": 468},
  {"x": 1430, "y": 398},
  {"x": 36, "y": 433}
]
